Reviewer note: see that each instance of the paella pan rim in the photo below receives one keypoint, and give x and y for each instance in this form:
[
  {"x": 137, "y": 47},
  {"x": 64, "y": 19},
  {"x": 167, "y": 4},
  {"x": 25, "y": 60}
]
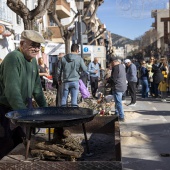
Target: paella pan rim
[{"x": 50, "y": 115}]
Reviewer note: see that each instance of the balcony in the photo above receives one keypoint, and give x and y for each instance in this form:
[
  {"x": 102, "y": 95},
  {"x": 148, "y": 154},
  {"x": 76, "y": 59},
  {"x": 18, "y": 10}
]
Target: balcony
[
  {"x": 86, "y": 2},
  {"x": 153, "y": 25},
  {"x": 153, "y": 13},
  {"x": 63, "y": 9},
  {"x": 56, "y": 35}
]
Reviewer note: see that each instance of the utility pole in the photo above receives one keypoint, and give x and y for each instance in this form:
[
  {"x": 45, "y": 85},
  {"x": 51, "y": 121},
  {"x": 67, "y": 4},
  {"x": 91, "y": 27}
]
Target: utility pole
[{"x": 169, "y": 34}]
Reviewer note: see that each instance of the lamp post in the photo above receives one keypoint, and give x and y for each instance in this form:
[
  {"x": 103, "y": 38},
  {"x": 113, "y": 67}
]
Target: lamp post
[
  {"x": 169, "y": 35},
  {"x": 80, "y": 7}
]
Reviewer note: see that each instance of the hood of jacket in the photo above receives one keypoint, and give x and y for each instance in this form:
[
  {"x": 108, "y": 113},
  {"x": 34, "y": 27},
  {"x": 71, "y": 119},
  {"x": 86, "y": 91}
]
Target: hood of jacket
[{"x": 71, "y": 57}]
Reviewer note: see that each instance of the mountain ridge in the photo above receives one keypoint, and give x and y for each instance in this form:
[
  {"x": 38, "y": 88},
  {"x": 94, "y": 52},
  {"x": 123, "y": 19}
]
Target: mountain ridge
[{"x": 120, "y": 41}]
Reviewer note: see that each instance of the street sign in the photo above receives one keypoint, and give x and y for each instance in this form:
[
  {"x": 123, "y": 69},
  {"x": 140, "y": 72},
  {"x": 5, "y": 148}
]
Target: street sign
[
  {"x": 84, "y": 38},
  {"x": 85, "y": 49}
]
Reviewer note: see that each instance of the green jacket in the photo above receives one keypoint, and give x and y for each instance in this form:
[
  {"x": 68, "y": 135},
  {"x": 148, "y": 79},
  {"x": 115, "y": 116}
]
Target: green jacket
[{"x": 19, "y": 79}]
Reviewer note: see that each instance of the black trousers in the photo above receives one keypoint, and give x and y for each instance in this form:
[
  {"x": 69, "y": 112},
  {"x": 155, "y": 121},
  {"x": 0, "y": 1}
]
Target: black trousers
[
  {"x": 94, "y": 85},
  {"x": 5, "y": 122},
  {"x": 132, "y": 91},
  {"x": 9, "y": 139}
]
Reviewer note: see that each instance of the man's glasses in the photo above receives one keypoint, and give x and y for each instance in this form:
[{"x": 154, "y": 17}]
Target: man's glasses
[{"x": 35, "y": 45}]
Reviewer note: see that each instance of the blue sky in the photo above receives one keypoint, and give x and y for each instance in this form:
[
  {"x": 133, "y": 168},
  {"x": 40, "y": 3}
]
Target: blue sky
[{"x": 129, "y": 18}]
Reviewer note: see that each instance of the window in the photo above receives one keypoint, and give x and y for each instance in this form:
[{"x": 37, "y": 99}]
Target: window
[
  {"x": 5, "y": 12},
  {"x": 18, "y": 19}
]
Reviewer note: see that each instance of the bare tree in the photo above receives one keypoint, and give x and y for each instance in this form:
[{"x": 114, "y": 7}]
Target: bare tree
[
  {"x": 99, "y": 32},
  {"x": 29, "y": 16},
  {"x": 67, "y": 31}
]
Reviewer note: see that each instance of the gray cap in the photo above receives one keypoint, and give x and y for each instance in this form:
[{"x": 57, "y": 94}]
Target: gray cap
[{"x": 32, "y": 36}]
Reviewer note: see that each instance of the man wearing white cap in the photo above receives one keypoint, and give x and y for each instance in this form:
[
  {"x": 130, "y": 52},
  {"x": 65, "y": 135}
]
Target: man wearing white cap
[
  {"x": 19, "y": 81},
  {"x": 118, "y": 84},
  {"x": 131, "y": 77}
]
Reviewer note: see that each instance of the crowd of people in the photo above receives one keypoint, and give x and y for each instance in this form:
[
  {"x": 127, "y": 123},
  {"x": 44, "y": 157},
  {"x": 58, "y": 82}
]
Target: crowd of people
[{"x": 153, "y": 77}]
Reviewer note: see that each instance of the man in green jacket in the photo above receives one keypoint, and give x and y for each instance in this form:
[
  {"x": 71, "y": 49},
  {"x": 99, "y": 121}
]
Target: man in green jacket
[{"x": 19, "y": 79}]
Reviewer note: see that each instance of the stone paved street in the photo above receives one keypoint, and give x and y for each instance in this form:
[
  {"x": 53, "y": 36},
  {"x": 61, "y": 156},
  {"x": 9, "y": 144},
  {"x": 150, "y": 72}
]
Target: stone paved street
[{"x": 150, "y": 118}]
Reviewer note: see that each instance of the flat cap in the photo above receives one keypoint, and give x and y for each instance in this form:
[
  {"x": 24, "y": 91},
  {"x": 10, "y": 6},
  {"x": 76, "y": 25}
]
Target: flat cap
[
  {"x": 32, "y": 36},
  {"x": 127, "y": 61}
]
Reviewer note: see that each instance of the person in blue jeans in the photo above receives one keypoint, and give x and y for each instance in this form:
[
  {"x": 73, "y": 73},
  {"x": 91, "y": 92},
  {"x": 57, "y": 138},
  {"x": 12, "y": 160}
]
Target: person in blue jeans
[
  {"x": 94, "y": 71},
  {"x": 70, "y": 71},
  {"x": 144, "y": 79},
  {"x": 118, "y": 84}
]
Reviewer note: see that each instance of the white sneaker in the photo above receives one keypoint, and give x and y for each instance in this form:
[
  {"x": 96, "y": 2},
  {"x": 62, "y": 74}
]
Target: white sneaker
[
  {"x": 132, "y": 104},
  {"x": 163, "y": 100},
  {"x": 123, "y": 101}
]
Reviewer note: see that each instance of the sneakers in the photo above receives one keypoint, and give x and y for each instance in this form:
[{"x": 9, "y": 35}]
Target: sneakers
[
  {"x": 123, "y": 101},
  {"x": 131, "y": 104},
  {"x": 121, "y": 119},
  {"x": 163, "y": 100}
]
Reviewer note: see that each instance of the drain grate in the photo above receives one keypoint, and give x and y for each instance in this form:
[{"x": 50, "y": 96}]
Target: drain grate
[{"x": 43, "y": 165}]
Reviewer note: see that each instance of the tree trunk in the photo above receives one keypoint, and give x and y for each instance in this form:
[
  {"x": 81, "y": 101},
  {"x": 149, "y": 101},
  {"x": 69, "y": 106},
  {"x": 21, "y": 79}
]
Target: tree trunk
[
  {"x": 28, "y": 24},
  {"x": 67, "y": 45}
]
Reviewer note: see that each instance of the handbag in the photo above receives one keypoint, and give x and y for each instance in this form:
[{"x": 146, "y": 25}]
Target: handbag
[{"x": 83, "y": 90}]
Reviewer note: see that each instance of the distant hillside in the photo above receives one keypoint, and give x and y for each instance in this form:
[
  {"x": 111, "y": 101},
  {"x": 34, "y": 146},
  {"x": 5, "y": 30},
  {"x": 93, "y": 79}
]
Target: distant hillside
[{"x": 120, "y": 41}]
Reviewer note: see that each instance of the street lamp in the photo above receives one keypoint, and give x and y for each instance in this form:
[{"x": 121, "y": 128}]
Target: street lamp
[{"x": 80, "y": 7}]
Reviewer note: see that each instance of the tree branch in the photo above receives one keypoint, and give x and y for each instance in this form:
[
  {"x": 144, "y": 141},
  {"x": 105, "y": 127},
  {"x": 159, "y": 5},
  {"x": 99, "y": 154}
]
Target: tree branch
[
  {"x": 88, "y": 9},
  {"x": 18, "y": 7},
  {"x": 42, "y": 7},
  {"x": 73, "y": 20},
  {"x": 96, "y": 37},
  {"x": 97, "y": 4},
  {"x": 21, "y": 9}
]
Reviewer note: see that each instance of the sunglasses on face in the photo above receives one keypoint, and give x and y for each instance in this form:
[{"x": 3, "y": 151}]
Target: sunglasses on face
[{"x": 35, "y": 45}]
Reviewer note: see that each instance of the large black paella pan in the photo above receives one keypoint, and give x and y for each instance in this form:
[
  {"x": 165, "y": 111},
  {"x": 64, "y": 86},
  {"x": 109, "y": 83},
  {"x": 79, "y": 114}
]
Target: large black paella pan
[{"x": 52, "y": 116}]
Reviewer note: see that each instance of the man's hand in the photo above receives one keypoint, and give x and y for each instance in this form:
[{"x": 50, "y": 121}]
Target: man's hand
[
  {"x": 96, "y": 71},
  {"x": 46, "y": 74}
]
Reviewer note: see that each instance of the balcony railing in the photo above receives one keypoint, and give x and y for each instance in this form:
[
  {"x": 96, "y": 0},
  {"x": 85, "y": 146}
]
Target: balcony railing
[{"x": 63, "y": 9}]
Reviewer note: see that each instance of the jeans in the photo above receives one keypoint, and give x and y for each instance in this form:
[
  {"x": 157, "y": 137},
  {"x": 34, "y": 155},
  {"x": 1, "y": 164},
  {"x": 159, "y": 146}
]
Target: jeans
[
  {"x": 118, "y": 104},
  {"x": 145, "y": 88},
  {"x": 163, "y": 94},
  {"x": 73, "y": 88}
]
